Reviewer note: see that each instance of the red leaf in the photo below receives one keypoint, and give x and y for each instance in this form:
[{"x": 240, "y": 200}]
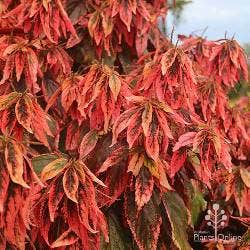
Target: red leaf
[
  {"x": 185, "y": 140},
  {"x": 147, "y": 115},
  {"x": 69, "y": 93},
  {"x": 8, "y": 68},
  {"x": 19, "y": 62},
  {"x": 125, "y": 13},
  {"x": 55, "y": 196},
  {"x": 66, "y": 19},
  {"x": 152, "y": 143},
  {"x": 83, "y": 210},
  {"x": 71, "y": 183},
  {"x": 199, "y": 139},
  {"x": 107, "y": 106},
  {"x": 15, "y": 163},
  {"x": 32, "y": 64},
  {"x": 72, "y": 137},
  {"x": 45, "y": 24},
  {"x": 114, "y": 158},
  {"x": 143, "y": 188},
  {"x": 88, "y": 143},
  {"x": 177, "y": 162},
  {"x": 141, "y": 43},
  {"x": 134, "y": 129},
  {"x": 41, "y": 123},
  {"x": 121, "y": 123},
  {"x": 164, "y": 124},
  {"x": 24, "y": 113},
  {"x": 167, "y": 60}
]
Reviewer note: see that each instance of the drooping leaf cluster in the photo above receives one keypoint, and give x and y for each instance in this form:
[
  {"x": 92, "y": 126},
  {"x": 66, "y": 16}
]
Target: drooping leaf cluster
[{"x": 111, "y": 136}]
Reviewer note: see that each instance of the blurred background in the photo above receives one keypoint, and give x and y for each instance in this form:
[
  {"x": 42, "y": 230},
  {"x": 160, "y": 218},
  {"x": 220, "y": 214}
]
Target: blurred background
[{"x": 212, "y": 19}]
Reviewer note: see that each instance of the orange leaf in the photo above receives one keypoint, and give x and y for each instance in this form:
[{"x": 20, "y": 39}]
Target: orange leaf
[
  {"x": 162, "y": 165},
  {"x": 146, "y": 118},
  {"x": 24, "y": 113},
  {"x": 92, "y": 176},
  {"x": 107, "y": 24},
  {"x": 245, "y": 176},
  {"x": 53, "y": 169},
  {"x": 167, "y": 60},
  {"x": 115, "y": 85},
  {"x": 134, "y": 129},
  {"x": 135, "y": 163},
  {"x": 67, "y": 238},
  {"x": 70, "y": 183},
  {"x": 88, "y": 143},
  {"x": 93, "y": 22},
  {"x": 7, "y": 100},
  {"x": 15, "y": 162}
]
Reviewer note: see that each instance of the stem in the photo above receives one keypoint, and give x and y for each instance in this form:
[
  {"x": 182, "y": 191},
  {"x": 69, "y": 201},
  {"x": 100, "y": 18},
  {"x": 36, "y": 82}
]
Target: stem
[{"x": 215, "y": 226}]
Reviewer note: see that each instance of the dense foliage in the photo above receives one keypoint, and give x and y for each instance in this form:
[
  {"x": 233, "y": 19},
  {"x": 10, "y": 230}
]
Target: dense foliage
[{"x": 113, "y": 137}]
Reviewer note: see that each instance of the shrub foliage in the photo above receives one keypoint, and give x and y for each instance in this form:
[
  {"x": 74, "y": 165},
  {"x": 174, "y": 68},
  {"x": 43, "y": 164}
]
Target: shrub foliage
[{"x": 113, "y": 137}]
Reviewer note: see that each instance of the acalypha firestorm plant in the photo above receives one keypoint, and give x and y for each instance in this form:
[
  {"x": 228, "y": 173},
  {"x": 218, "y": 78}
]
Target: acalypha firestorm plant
[{"x": 111, "y": 136}]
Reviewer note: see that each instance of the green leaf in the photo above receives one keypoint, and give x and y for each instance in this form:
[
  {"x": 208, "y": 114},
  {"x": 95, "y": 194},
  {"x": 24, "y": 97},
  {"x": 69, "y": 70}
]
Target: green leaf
[
  {"x": 178, "y": 217},
  {"x": 198, "y": 204},
  {"x": 118, "y": 239},
  {"x": 53, "y": 169},
  {"x": 7, "y": 100},
  {"x": 145, "y": 225},
  {"x": 245, "y": 240},
  {"x": 40, "y": 161}
]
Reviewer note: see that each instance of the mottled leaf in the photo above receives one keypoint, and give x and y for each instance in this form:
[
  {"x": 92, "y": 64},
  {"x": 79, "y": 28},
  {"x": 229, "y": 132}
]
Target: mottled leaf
[
  {"x": 71, "y": 183},
  {"x": 7, "y": 100},
  {"x": 143, "y": 187},
  {"x": 15, "y": 163},
  {"x": 178, "y": 217},
  {"x": 245, "y": 176},
  {"x": 145, "y": 225},
  {"x": 88, "y": 143},
  {"x": 115, "y": 85},
  {"x": 53, "y": 169}
]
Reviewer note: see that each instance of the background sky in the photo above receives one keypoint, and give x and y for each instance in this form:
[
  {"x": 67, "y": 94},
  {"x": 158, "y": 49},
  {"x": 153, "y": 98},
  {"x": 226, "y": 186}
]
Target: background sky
[{"x": 219, "y": 16}]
